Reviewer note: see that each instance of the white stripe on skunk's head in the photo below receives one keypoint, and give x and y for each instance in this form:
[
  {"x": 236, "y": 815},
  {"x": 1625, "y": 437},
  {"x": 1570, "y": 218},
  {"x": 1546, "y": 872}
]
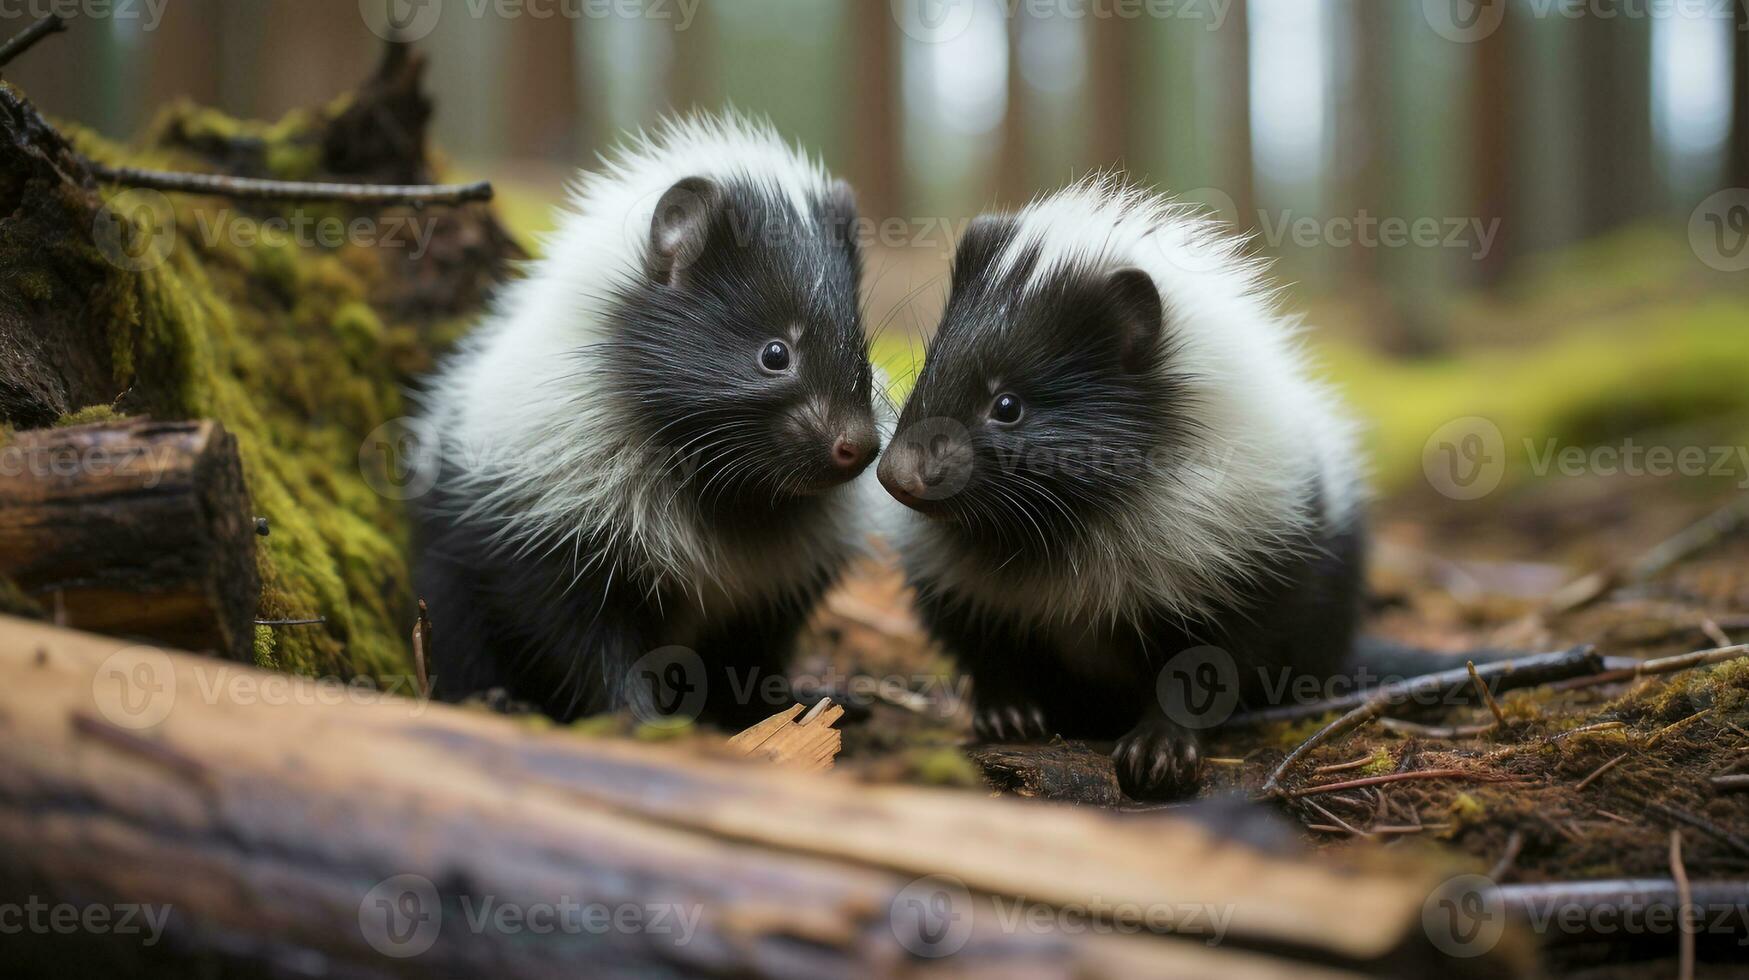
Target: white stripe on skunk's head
[
  {"x": 1112, "y": 415},
  {"x": 686, "y": 367}
]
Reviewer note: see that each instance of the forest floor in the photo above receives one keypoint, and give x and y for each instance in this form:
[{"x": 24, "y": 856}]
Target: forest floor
[{"x": 1578, "y": 784}]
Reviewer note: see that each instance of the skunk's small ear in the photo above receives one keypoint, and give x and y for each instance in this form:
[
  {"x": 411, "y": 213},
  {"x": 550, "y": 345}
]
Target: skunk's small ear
[
  {"x": 681, "y": 227},
  {"x": 839, "y": 211},
  {"x": 1138, "y": 317}
]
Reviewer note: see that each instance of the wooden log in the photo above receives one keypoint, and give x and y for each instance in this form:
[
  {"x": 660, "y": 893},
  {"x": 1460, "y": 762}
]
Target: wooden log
[
  {"x": 134, "y": 528},
  {"x": 381, "y": 836}
]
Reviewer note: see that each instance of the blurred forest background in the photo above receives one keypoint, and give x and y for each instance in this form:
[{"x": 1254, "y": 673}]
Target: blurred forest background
[{"x": 1439, "y": 180}]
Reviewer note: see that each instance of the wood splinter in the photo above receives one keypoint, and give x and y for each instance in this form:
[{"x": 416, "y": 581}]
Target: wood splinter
[{"x": 808, "y": 742}]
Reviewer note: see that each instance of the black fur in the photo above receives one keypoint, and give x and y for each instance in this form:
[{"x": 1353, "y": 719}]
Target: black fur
[
  {"x": 730, "y": 266},
  {"x": 1094, "y": 399}
]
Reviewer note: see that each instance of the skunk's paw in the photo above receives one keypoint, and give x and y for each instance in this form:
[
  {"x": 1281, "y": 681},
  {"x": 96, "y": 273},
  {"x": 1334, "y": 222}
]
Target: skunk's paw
[
  {"x": 1158, "y": 760},
  {"x": 1009, "y": 720}
]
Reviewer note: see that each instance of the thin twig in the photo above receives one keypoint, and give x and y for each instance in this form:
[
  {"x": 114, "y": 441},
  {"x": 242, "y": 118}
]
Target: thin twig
[
  {"x": 1600, "y": 770},
  {"x": 27, "y": 38},
  {"x": 1514, "y": 844},
  {"x": 315, "y": 621},
  {"x": 1714, "y": 632},
  {"x": 1685, "y": 902},
  {"x": 1393, "y": 777},
  {"x": 1730, "y": 784},
  {"x": 1675, "y": 726},
  {"x": 1403, "y": 726},
  {"x": 1431, "y": 689},
  {"x": 1686, "y": 543},
  {"x": 250, "y": 188},
  {"x": 1515, "y": 673},
  {"x": 422, "y": 639},
  {"x": 1344, "y": 766},
  {"x": 1486, "y": 695},
  {"x": 1663, "y": 665}
]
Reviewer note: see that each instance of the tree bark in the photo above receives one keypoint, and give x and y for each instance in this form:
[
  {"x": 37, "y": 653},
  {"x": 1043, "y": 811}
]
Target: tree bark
[
  {"x": 137, "y": 528},
  {"x": 376, "y": 836}
]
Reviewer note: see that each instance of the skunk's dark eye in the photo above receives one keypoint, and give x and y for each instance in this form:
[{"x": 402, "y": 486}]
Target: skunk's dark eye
[
  {"x": 774, "y": 356},
  {"x": 1007, "y": 409}
]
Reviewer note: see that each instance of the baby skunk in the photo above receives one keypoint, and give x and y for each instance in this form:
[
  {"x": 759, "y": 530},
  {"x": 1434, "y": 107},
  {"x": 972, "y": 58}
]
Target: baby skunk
[
  {"x": 1124, "y": 459},
  {"x": 650, "y": 443}
]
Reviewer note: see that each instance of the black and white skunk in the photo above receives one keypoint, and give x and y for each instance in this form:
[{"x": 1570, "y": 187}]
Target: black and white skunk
[
  {"x": 1121, "y": 459},
  {"x": 652, "y": 443}
]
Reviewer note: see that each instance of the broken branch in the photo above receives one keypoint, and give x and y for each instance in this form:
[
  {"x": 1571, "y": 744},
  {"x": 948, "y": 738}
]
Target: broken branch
[
  {"x": 27, "y": 38},
  {"x": 251, "y": 188}
]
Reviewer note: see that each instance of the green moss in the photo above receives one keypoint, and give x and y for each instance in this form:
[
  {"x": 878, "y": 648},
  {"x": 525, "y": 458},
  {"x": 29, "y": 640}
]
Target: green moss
[
  {"x": 943, "y": 766},
  {"x": 88, "y": 415},
  {"x": 264, "y": 644},
  {"x": 662, "y": 731},
  {"x": 14, "y": 601},
  {"x": 1382, "y": 762},
  {"x": 1467, "y": 809},
  {"x": 278, "y": 343}
]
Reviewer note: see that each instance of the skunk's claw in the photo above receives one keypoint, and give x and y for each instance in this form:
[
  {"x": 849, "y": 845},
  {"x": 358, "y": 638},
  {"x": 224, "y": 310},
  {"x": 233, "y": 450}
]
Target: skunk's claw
[{"x": 1157, "y": 760}]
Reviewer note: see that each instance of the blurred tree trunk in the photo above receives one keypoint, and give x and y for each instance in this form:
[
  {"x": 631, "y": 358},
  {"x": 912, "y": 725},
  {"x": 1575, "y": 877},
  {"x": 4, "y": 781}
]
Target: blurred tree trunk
[
  {"x": 1360, "y": 171},
  {"x": 874, "y": 137},
  {"x": 1615, "y": 107},
  {"x": 1492, "y": 123},
  {"x": 1737, "y": 167},
  {"x": 1108, "y": 88},
  {"x": 542, "y": 73},
  {"x": 1014, "y": 179},
  {"x": 694, "y": 81},
  {"x": 1235, "y": 86}
]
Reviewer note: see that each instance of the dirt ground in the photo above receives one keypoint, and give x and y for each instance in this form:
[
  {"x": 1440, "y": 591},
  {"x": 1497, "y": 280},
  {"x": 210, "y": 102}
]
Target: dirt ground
[{"x": 1578, "y": 784}]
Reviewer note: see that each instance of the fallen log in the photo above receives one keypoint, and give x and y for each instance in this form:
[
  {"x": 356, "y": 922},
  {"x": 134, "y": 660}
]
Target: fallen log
[
  {"x": 134, "y": 528},
  {"x": 383, "y": 836}
]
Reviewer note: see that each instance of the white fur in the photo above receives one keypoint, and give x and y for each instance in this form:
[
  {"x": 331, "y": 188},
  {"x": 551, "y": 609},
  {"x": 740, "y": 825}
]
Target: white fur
[
  {"x": 1271, "y": 433},
  {"x": 545, "y": 457}
]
